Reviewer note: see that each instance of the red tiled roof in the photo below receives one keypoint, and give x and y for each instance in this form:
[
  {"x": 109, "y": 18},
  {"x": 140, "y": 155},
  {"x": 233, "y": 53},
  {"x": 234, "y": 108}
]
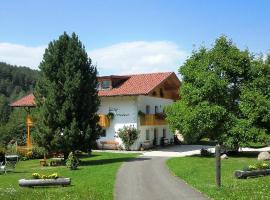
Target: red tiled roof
[
  {"x": 26, "y": 101},
  {"x": 137, "y": 84}
]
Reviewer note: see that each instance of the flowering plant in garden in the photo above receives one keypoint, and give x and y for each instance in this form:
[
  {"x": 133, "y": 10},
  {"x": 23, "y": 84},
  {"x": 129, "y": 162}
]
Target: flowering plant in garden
[
  {"x": 128, "y": 134},
  {"x": 43, "y": 176},
  {"x": 258, "y": 166}
]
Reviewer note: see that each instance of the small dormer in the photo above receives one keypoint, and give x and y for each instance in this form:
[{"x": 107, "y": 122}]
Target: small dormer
[
  {"x": 104, "y": 84},
  {"x": 110, "y": 82}
]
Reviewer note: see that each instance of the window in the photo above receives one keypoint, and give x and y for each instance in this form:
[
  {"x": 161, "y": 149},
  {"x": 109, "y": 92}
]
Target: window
[
  {"x": 103, "y": 133},
  {"x": 147, "y": 109},
  {"x": 147, "y": 135},
  {"x": 164, "y": 132},
  {"x": 156, "y": 109},
  {"x": 105, "y": 85}
]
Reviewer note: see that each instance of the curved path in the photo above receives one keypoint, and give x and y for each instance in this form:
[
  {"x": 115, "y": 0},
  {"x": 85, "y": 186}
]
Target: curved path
[{"x": 147, "y": 178}]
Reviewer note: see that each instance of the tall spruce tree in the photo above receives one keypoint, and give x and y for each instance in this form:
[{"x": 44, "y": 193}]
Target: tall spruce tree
[
  {"x": 67, "y": 98},
  {"x": 213, "y": 80}
]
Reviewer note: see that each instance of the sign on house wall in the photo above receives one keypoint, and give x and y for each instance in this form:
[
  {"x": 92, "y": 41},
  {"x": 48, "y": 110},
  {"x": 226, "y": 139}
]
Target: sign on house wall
[{"x": 118, "y": 112}]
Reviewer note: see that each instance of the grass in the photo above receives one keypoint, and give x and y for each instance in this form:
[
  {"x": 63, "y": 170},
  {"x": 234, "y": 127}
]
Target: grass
[
  {"x": 199, "y": 172},
  {"x": 93, "y": 180}
]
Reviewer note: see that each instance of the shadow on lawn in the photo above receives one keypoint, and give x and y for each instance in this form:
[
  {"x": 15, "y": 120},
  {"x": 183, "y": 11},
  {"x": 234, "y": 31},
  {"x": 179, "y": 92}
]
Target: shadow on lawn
[
  {"x": 88, "y": 155},
  {"x": 111, "y": 160},
  {"x": 50, "y": 187},
  {"x": 240, "y": 154}
]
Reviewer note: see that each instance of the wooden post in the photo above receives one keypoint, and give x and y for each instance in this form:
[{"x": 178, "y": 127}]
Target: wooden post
[
  {"x": 218, "y": 166},
  {"x": 29, "y": 123}
]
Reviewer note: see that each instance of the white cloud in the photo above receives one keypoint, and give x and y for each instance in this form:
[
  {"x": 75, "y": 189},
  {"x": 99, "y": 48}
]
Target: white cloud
[
  {"x": 138, "y": 57},
  {"x": 121, "y": 58},
  {"x": 21, "y": 55}
]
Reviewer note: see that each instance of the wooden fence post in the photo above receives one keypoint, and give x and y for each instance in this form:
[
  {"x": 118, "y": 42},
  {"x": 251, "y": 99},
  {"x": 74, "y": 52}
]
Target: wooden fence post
[{"x": 218, "y": 166}]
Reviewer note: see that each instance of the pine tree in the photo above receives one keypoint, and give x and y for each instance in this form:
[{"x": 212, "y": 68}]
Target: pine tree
[{"x": 67, "y": 98}]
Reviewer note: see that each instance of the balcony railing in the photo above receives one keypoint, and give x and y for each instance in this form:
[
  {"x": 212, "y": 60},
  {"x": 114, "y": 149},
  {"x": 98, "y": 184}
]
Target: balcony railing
[
  {"x": 104, "y": 121},
  {"x": 152, "y": 119}
]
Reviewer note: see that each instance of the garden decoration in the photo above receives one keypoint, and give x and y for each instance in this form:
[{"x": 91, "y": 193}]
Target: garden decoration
[
  {"x": 259, "y": 169},
  {"x": 29, "y": 122},
  {"x": 44, "y": 180}
]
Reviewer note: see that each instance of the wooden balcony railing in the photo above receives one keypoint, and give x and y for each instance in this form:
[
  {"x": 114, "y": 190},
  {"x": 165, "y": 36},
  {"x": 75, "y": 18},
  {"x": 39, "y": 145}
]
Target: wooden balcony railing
[
  {"x": 152, "y": 119},
  {"x": 104, "y": 121}
]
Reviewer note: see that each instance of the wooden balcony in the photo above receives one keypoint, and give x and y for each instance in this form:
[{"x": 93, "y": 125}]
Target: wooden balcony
[
  {"x": 152, "y": 120},
  {"x": 104, "y": 121}
]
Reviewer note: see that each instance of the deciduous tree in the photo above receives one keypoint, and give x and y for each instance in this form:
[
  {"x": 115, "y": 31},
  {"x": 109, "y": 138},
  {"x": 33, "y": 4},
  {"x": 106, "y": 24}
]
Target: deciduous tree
[{"x": 213, "y": 80}]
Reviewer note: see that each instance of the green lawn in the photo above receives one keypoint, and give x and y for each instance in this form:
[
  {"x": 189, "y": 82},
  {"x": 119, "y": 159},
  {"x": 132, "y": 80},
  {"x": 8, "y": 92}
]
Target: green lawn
[
  {"x": 93, "y": 180},
  {"x": 199, "y": 172}
]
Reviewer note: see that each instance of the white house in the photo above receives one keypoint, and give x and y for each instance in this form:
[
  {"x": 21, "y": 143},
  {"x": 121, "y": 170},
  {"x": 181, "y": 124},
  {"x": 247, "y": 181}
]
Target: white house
[{"x": 128, "y": 96}]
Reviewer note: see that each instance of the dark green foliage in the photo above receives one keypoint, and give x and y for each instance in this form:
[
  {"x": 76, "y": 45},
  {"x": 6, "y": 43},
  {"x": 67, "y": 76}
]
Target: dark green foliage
[
  {"x": 14, "y": 129},
  {"x": 15, "y": 82},
  {"x": 255, "y": 100},
  {"x": 141, "y": 113},
  {"x": 5, "y": 109},
  {"x": 206, "y": 152},
  {"x": 128, "y": 135},
  {"x": 67, "y": 98},
  {"x": 72, "y": 161},
  {"x": 38, "y": 152},
  {"x": 211, "y": 103},
  {"x": 110, "y": 115}
]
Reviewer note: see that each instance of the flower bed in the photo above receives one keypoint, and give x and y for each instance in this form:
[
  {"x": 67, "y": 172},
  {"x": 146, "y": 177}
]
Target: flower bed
[
  {"x": 258, "y": 169},
  {"x": 44, "y": 180}
]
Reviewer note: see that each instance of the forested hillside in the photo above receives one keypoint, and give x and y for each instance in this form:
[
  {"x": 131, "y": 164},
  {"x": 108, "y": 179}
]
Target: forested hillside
[{"x": 15, "y": 82}]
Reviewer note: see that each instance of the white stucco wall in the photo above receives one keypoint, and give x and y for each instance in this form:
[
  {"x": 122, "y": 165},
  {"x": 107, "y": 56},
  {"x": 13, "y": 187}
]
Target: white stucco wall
[{"x": 126, "y": 113}]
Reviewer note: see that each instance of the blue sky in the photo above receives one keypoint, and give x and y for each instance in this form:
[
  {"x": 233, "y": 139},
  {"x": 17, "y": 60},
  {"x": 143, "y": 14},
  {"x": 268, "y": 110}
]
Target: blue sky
[{"x": 131, "y": 36}]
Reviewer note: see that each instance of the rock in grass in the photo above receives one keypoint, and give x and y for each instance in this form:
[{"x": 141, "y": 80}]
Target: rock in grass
[
  {"x": 264, "y": 156},
  {"x": 224, "y": 156}
]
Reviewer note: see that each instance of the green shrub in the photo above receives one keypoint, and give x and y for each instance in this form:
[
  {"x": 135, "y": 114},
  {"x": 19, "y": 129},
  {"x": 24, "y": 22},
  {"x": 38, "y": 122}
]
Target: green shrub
[
  {"x": 2, "y": 154},
  {"x": 110, "y": 115},
  {"x": 128, "y": 135},
  {"x": 72, "y": 161},
  {"x": 38, "y": 152},
  {"x": 141, "y": 113}
]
